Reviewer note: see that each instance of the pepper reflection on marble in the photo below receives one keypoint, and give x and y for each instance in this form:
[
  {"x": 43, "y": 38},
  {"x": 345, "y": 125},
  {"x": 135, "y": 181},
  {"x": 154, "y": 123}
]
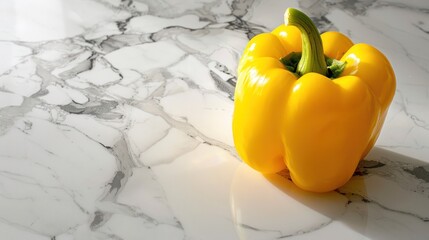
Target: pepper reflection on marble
[{"x": 115, "y": 123}]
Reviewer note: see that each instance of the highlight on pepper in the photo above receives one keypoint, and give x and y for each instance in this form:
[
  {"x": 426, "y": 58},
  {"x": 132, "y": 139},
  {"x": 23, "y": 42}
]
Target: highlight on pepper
[{"x": 311, "y": 103}]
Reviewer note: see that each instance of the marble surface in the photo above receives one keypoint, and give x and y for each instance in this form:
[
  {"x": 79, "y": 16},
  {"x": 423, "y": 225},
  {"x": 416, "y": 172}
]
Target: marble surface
[{"x": 115, "y": 123}]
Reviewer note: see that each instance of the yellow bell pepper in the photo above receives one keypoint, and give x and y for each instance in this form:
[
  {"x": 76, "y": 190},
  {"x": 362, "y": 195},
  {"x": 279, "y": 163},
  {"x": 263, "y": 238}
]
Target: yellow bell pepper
[{"x": 311, "y": 103}]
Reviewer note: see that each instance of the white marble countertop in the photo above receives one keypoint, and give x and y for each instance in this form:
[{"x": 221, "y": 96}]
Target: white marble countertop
[{"x": 115, "y": 123}]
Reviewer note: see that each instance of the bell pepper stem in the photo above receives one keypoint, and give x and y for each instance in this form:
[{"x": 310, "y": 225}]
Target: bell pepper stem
[{"x": 312, "y": 59}]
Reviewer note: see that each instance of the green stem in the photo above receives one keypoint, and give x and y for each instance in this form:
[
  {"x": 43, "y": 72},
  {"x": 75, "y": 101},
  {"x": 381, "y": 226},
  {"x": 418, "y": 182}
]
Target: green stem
[{"x": 313, "y": 59}]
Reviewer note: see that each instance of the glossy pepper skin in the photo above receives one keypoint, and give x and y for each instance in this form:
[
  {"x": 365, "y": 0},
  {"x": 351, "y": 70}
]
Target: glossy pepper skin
[{"x": 316, "y": 127}]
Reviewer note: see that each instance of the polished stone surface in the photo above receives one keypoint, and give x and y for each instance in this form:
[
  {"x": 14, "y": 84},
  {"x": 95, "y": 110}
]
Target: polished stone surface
[{"x": 115, "y": 123}]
